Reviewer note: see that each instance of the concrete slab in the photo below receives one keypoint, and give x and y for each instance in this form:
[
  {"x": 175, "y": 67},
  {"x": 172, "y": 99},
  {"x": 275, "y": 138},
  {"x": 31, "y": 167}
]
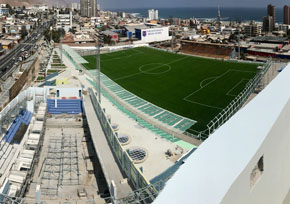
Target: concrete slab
[{"x": 105, "y": 155}]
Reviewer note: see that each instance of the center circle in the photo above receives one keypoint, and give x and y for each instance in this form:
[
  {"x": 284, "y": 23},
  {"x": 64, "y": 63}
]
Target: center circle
[{"x": 155, "y": 68}]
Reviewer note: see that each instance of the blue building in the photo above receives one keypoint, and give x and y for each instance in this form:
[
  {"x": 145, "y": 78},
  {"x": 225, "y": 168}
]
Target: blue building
[{"x": 4, "y": 11}]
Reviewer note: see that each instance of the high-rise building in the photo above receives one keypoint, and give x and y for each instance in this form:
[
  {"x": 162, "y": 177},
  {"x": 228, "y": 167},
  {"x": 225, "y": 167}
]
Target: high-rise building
[
  {"x": 75, "y": 6},
  {"x": 121, "y": 14},
  {"x": 272, "y": 12},
  {"x": 156, "y": 15},
  {"x": 268, "y": 25},
  {"x": 153, "y": 14},
  {"x": 253, "y": 30},
  {"x": 89, "y": 8},
  {"x": 286, "y": 15},
  {"x": 64, "y": 20}
]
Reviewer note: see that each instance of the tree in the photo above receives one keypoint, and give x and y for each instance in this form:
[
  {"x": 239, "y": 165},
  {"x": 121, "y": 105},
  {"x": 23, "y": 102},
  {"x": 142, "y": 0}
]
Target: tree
[
  {"x": 107, "y": 39},
  {"x": 23, "y": 32},
  {"x": 11, "y": 10},
  {"x": 47, "y": 35},
  {"x": 55, "y": 34},
  {"x": 243, "y": 55},
  {"x": 73, "y": 31}
]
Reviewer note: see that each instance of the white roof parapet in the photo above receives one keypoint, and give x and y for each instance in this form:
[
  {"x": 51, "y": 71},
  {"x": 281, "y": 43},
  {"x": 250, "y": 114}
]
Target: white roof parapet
[{"x": 74, "y": 55}]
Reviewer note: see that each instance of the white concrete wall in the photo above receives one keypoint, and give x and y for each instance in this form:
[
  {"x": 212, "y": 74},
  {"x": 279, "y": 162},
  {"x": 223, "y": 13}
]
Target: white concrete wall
[
  {"x": 69, "y": 92},
  {"x": 155, "y": 35},
  {"x": 274, "y": 183},
  {"x": 219, "y": 171}
]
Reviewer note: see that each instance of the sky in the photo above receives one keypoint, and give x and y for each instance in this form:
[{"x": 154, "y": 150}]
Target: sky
[{"x": 115, "y": 4}]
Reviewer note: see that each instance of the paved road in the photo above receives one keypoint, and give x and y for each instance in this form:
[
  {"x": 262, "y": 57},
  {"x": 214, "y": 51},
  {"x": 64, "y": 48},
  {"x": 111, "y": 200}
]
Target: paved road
[{"x": 8, "y": 61}]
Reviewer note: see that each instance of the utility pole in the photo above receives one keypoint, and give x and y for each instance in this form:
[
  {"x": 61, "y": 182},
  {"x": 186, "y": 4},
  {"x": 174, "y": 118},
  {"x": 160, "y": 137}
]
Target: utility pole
[
  {"x": 239, "y": 47},
  {"x": 61, "y": 44},
  {"x": 50, "y": 34},
  {"x": 172, "y": 41},
  {"x": 98, "y": 69}
]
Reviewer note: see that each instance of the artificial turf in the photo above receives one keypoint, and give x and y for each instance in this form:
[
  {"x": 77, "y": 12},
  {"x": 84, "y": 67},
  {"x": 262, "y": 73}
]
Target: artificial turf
[{"x": 193, "y": 87}]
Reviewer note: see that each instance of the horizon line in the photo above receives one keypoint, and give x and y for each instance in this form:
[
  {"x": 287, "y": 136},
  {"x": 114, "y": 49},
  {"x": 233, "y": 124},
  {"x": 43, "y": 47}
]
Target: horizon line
[{"x": 192, "y": 7}]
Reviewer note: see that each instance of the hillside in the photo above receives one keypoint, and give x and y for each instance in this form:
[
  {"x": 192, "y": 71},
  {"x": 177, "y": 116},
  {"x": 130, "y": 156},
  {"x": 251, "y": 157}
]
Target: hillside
[{"x": 29, "y": 2}]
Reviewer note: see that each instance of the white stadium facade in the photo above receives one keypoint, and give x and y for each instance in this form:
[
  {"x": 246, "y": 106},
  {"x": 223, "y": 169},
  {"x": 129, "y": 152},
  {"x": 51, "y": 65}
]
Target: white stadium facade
[{"x": 246, "y": 161}]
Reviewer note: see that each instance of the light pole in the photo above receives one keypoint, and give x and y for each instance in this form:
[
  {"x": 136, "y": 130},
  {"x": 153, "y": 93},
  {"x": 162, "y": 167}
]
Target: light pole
[
  {"x": 172, "y": 41},
  {"x": 239, "y": 48},
  {"x": 61, "y": 44},
  {"x": 98, "y": 64},
  {"x": 50, "y": 34}
]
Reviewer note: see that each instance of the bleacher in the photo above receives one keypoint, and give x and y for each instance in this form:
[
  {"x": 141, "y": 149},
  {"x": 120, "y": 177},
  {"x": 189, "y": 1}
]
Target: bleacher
[
  {"x": 168, "y": 118},
  {"x": 64, "y": 106},
  {"x": 23, "y": 117},
  {"x": 6, "y": 142},
  {"x": 207, "y": 50}
]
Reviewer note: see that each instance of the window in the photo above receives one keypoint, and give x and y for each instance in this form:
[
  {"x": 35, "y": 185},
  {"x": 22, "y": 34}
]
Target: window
[{"x": 257, "y": 172}]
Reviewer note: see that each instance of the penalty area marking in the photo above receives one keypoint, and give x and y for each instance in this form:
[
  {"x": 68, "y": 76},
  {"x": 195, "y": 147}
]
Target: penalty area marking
[
  {"x": 207, "y": 84},
  {"x": 228, "y": 93},
  {"x": 210, "y": 78}
]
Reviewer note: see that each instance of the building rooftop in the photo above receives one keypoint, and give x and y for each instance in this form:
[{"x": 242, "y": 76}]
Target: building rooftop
[
  {"x": 108, "y": 32},
  {"x": 273, "y": 39}
]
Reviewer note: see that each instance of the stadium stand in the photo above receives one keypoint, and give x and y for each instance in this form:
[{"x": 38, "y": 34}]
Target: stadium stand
[
  {"x": 142, "y": 122},
  {"x": 149, "y": 109},
  {"x": 68, "y": 106},
  {"x": 24, "y": 117},
  {"x": 207, "y": 49},
  {"x": 8, "y": 139},
  {"x": 136, "y": 102}
]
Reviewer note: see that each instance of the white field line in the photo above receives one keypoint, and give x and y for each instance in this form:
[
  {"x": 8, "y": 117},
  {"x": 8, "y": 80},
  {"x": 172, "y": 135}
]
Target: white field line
[
  {"x": 126, "y": 56},
  {"x": 202, "y": 104},
  {"x": 185, "y": 98},
  {"x": 124, "y": 77},
  {"x": 228, "y": 93},
  {"x": 209, "y": 106},
  {"x": 201, "y": 83}
]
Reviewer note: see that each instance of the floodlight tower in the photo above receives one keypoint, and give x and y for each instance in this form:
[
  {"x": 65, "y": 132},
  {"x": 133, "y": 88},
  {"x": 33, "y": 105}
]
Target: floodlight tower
[
  {"x": 98, "y": 66},
  {"x": 62, "y": 27},
  {"x": 239, "y": 45},
  {"x": 172, "y": 41}
]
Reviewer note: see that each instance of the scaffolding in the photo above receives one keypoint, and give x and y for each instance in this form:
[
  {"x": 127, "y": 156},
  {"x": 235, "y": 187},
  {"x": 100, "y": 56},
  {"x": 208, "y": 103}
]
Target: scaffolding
[{"x": 61, "y": 166}]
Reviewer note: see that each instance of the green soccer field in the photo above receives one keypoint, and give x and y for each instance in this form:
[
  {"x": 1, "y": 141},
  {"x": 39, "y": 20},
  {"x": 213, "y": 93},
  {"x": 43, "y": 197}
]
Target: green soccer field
[{"x": 192, "y": 87}]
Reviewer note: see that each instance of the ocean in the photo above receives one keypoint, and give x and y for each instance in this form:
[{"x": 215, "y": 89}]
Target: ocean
[{"x": 227, "y": 14}]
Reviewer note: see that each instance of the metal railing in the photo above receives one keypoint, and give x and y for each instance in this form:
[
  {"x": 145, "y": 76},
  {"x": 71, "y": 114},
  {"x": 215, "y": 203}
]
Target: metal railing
[
  {"x": 234, "y": 106},
  {"x": 135, "y": 176},
  {"x": 226, "y": 113}
]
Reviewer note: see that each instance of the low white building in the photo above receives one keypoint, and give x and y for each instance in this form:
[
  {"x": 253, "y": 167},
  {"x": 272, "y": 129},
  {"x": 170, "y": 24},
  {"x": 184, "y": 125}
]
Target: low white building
[
  {"x": 64, "y": 21},
  {"x": 149, "y": 35},
  {"x": 37, "y": 8}
]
